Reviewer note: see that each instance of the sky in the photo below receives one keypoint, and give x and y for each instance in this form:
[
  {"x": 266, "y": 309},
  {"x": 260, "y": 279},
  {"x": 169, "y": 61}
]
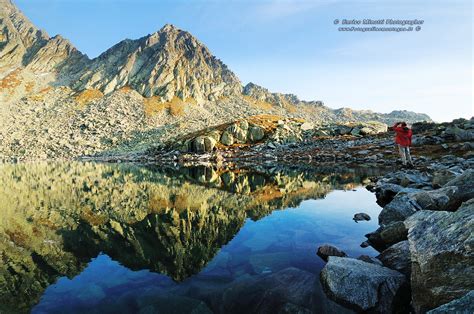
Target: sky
[{"x": 295, "y": 47}]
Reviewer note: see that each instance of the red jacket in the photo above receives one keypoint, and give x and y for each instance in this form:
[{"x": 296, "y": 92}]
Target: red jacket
[{"x": 403, "y": 136}]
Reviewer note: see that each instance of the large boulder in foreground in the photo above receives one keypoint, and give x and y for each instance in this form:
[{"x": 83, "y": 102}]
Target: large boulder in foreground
[
  {"x": 464, "y": 305},
  {"x": 363, "y": 286},
  {"x": 442, "y": 255}
]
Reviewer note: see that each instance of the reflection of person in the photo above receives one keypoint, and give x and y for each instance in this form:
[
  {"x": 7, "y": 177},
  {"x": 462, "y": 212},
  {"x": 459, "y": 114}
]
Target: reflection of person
[{"x": 403, "y": 140}]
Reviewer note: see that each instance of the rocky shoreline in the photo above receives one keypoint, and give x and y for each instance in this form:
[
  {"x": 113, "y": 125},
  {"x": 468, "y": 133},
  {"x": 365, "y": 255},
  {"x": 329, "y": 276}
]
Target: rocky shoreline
[{"x": 425, "y": 240}]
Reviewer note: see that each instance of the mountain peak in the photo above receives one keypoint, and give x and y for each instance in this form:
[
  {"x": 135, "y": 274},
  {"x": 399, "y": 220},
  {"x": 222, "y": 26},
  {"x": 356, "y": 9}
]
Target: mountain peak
[
  {"x": 169, "y": 28},
  {"x": 167, "y": 63},
  {"x": 24, "y": 45}
]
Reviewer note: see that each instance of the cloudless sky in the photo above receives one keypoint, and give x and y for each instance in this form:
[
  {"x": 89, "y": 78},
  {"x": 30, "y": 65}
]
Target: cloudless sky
[{"x": 294, "y": 46}]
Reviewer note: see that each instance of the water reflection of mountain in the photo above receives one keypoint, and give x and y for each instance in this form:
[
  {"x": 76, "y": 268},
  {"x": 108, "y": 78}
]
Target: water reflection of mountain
[{"x": 56, "y": 217}]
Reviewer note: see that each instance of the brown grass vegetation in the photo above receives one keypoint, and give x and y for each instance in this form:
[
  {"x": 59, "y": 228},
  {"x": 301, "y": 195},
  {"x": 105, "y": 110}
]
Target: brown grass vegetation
[
  {"x": 29, "y": 87},
  {"x": 10, "y": 81},
  {"x": 94, "y": 219},
  {"x": 258, "y": 103},
  {"x": 88, "y": 95},
  {"x": 290, "y": 107},
  {"x": 17, "y": 236},
  {"x": 125, "y": 89},
  {"x": 175, "y": 107},
  {"x": 40, "y": 96}
]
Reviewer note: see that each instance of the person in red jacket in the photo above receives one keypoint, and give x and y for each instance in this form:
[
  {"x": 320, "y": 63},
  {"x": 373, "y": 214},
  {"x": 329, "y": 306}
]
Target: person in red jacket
[{"x": 403, "y": 140}]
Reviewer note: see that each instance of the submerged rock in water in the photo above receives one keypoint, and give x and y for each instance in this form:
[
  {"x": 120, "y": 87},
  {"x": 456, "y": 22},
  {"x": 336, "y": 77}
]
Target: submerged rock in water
[
  {"x": 463, "y": 305},
  {"x": 326, "y": 250},
  {"x": 363, "y": 286},
  {"x": 287, "y": 291},
  {"x": 442, "y": 255},
  {"x": 361, "y": 217}
]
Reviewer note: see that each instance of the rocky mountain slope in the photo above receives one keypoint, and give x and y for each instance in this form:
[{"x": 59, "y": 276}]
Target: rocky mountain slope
[
  {"x": 58, "y": 103},
  {"x": 168, "y": 63}
]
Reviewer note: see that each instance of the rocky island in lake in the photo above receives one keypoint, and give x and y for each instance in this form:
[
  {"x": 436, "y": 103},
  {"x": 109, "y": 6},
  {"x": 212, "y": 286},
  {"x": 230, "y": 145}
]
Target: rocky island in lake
[{"x": 149, "y": 179}]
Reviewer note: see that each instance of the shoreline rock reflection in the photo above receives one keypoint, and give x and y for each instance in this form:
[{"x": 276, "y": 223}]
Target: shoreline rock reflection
[{"x": 55, "y": 217}]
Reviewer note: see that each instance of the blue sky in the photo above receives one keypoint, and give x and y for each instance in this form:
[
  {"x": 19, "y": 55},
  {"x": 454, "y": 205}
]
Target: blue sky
[{"x": 294, "y": 46}]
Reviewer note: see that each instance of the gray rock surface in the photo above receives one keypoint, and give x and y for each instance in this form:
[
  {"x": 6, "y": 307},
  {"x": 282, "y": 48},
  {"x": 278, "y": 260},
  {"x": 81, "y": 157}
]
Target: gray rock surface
[
  {"x": 463, "y": 305},
  {"x": 370, "y": 259},
  {"x": 397, "y": 257},
  {"x": 442, "y": 255},
  {"x": 400, "y": 208},
  {"x": 447, "y": 198},
  {"x": 441, "y": 177},
  {"x": 387, "y": 235},
  {"x": 362, "y": 286}
]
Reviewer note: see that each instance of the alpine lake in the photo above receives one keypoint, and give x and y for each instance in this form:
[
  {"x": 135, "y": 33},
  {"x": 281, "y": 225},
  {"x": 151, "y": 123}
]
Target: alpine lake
[{"x": 85, "y": 237}]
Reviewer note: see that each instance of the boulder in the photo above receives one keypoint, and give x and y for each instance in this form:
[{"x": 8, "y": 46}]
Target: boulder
[
  {"x": 442, "y": 255},
  {"x": 388, "y": 235},
  {"x": 447, "y": 198},
  {"x": 401, "y": 207},
  {"x": 363, "y": 286},
  {"x": 209, "y": 143},
  {"x": 227, "y": 138},
  {"x": 441, "y": 177},
  {"x": 460, "y": 134},
  {"x": 342, "y": 130},
  {"x": 393, "y": 233},
  {"x": 255, "y": 133},
  {"x": 198, "y": 145},
  {"x": 203, "y": 144},
  {"x": 367, "y": 131},
  {"x": 355, "y": 131},
  {"x": 397, "y": 257},
  {"x": 385, "y": 192},
  {"x": 465, "y": 179},
  {"x": 326, "y": 250},
  {"x": 463, "y": 305},
  {"x": 307, "y": 126},
  {"x": 239, "y": 134},
  {"x": 243, "y": 124}
]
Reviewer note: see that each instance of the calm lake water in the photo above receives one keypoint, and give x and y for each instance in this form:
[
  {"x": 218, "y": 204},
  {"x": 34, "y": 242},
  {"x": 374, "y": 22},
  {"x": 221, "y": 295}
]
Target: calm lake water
[{"x": 105, "y": 238}]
